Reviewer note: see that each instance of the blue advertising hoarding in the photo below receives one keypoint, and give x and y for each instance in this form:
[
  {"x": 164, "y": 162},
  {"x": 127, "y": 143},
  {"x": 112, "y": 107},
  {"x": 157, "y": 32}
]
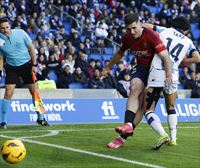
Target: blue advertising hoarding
[{"x": 69, "y": 111}]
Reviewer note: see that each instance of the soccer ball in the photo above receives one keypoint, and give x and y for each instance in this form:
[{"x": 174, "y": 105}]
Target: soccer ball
[{"x": 13, "y": 151}]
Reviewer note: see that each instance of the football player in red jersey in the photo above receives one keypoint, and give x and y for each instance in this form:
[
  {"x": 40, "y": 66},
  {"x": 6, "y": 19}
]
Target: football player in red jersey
[{"x": 144, "y": 43}]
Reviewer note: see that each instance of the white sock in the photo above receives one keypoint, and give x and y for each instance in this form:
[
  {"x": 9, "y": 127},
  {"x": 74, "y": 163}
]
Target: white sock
[
  {"x": 154, "y": 121},
  {"x": 172, "y": 124},
  {"x": 130, "y": 124}
]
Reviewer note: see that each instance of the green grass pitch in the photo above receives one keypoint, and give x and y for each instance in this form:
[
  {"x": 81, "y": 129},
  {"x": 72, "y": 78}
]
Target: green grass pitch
[{"x": 84, "y": 146}]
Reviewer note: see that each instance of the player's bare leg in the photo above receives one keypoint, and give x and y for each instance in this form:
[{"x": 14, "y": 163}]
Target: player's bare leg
[
  {"x": 172, "y": 117},
  {"x": 140, "y": 113},
  {"x": 132, "y": 107},
  {"x": 120, "y": 140}
]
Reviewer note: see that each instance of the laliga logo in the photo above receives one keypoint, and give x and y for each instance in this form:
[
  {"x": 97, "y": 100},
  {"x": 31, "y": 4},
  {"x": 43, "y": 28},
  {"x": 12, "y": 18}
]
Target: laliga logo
[
  {"x": 108, "y": 109},
  {"x": 184, "y": 110}
]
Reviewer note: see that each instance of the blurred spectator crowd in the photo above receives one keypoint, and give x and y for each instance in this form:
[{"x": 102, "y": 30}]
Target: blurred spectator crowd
[{"x": 74, "y": 39}]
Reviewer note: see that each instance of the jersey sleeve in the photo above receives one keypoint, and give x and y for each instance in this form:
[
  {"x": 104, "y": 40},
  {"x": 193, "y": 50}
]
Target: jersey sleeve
[
  {"x": 154, "y": 38},
  {"x": 191, "y": 49},
  {"x": 2, "y": 42},
  {"x": 124, "y": 44},
  {"x": 27, "y": 39}
]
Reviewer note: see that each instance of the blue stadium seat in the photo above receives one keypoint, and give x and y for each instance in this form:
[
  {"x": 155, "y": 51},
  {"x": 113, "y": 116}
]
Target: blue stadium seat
[
  {"x": 32, "y": 36},
  {"x": 101, "y": 5},
  {"x": 106, "y": 56},
  {"x": 108, "y": 50},
  {"x": 76, "y": 85},
  {"x": 180, "y": 70},
  {"x": 96, "y": 57},
  {"x": 160, "y": 6},
  {"x": 50, "y": 31},
  {"x": 67, "y": 26},
  {"x": 83, "y": 38},
  {"x": 53, "y": 76},
  {"x": 195, "y": 31},
  {"x": 153, "y": 9},
  {"x": 193, "y": 26},
  {"x": 180, "y": 86}
]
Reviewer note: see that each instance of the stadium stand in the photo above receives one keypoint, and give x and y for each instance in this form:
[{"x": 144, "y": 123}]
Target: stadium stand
[{"x": 62, "y": 25}]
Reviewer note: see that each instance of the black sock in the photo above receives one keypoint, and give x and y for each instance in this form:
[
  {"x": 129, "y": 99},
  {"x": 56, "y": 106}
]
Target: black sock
[
  {"x": 129, "y": 116},
  {"x": 124, "y": 136}
]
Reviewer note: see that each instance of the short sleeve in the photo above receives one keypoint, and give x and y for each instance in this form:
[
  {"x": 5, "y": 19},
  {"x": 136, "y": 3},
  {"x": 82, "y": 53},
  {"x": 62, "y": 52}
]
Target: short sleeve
[
  {"x": 27, "y": 39},
  {"x": 191, "y": 49},
  {"x": 124, "y": 44},
  {"x": 154, "y": 38}
]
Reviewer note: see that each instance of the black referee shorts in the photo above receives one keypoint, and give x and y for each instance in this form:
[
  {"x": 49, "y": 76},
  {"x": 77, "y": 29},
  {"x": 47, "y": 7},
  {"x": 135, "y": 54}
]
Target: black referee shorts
[{"x": 14, "y": 73}]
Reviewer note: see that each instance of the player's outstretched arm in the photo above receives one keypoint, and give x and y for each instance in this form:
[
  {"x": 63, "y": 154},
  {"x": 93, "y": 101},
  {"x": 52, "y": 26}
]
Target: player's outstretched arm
[
  {"x": 148, "y": 25},
  {"x": 115, "y": 59}
]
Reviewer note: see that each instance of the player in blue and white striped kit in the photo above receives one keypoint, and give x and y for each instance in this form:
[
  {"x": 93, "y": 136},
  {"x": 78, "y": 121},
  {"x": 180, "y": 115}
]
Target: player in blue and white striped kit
[{"x": 17, "y": 50}]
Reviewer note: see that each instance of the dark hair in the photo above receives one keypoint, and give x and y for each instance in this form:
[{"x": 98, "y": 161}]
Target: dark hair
[
  {"x": 4, "y": 19},
  {"x": 180, "y": 23},
  {"x": 130, "y": 18}
]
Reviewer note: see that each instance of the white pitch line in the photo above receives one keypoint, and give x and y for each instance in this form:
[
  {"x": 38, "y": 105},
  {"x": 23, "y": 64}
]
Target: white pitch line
[
  {"x": 93, "y": 153},
  {"x": 51, "y": 133},
  {"x": 55, "y": 132},
  {"x": 89, "y": 129},
  {"x": 88, "y": 152}
]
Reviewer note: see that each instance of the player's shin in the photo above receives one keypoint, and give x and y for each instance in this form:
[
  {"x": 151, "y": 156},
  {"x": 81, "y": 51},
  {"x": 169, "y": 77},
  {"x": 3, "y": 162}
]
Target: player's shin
[
  {"x": 129, "y": 117},
  {"x": 154, "y": 121}
]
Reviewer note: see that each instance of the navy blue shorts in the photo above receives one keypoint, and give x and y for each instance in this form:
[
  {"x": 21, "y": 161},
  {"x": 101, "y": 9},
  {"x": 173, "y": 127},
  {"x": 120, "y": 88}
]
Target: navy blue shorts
[
  {"x": 15, "y": 73},
  {"x": 141, "y": 73}
]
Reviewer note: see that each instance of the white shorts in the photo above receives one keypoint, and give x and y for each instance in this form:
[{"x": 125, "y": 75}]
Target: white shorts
[
  {"x": 172, "y": 88},
  {"x": 157, "y": 79}
]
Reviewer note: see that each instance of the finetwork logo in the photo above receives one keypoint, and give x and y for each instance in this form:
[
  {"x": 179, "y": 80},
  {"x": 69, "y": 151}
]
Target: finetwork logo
[
  {"x": 17, "y": 106},
  {"x": 108, "y": 109}
]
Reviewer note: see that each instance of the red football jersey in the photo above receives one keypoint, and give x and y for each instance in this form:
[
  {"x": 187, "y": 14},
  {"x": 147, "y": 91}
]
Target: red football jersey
[{"x": 143, "y": 47}]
